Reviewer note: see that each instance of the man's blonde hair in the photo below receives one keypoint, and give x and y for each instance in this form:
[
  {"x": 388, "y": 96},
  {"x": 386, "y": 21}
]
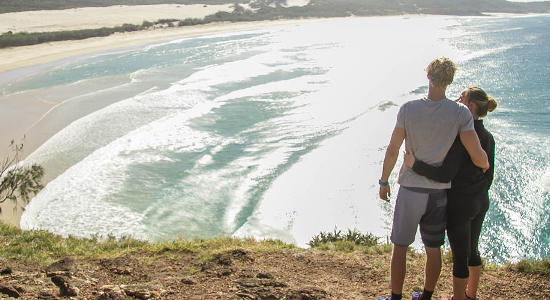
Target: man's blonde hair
[{"x": 441, "y": 71}]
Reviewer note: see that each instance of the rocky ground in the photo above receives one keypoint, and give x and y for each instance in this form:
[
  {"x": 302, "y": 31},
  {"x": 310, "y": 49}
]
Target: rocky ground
[{"x": 243, "y": 274}]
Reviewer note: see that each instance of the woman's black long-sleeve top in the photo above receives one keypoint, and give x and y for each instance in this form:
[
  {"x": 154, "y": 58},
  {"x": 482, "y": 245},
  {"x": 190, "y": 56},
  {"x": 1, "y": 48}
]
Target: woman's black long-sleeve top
[{"x": 457, "y": 167}]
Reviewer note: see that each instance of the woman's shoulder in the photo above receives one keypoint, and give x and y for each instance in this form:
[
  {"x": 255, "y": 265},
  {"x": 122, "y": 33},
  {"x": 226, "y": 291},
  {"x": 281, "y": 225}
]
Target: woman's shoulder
[
  {"x": 485, "y": 138},
  {"x": 482, "y": 131}
]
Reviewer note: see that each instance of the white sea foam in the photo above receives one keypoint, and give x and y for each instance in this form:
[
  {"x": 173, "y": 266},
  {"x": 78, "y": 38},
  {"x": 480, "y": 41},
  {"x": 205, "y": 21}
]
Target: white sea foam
[
  {"x": 330, "y": 187},
  {"x": 485, "y": 52},
  {"x": 546, "y": 181},
  {"x": 86, "y": 187},
  {"x": 83, "y": 192},
  {"x": 335, "y": 184},
  {"x": 169, "y": 134},
  {"x": 147, "y": 135},
  {"x": 158, "y": 164}
]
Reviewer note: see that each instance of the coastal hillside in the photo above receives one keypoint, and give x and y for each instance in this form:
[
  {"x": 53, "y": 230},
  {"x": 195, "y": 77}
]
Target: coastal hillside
[
  {"x": 40, "y": 265},
  {"x": 236, "y": 138}
]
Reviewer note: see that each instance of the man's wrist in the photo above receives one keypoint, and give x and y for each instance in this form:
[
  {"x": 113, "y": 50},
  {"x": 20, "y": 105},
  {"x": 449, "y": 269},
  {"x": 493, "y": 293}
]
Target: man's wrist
[{"x": 383, "y": 183}]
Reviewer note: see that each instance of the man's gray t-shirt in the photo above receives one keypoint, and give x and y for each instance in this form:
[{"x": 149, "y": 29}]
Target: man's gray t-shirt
[{"x": 430, "y": 129}]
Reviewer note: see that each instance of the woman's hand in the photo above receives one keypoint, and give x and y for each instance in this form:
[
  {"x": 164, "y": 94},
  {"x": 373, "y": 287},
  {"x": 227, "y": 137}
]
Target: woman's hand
[{"x": 408, "y": 158}]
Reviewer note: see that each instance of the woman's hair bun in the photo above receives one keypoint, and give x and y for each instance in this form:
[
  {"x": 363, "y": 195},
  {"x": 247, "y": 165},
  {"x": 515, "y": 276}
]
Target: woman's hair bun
[{"x": 492, "y": 104}]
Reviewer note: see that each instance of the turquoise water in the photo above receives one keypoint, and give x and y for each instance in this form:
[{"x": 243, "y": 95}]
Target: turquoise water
[
  {"x": 518, "y": 221},
  {"x": 281, "y": 132}
]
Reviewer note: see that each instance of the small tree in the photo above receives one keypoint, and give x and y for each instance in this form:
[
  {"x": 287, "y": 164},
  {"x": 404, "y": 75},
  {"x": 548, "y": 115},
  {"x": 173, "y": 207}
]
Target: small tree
[{"x": 17, "y": 180}]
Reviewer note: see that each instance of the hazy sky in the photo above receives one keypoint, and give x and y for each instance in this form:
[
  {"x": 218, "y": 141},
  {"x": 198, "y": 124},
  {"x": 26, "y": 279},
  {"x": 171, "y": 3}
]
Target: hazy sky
[{"x": 527, "y": 0}]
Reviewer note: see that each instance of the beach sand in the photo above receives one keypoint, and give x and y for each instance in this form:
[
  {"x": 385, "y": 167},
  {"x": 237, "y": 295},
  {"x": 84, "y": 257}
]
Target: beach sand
[
  {"x": 97, "y": 17},
  {"x": 31, "y": 117}
]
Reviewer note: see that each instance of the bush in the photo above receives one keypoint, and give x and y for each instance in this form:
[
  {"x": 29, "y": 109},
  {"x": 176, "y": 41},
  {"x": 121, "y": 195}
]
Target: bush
[
  {"x": 190, "y": 22},
  {"x": 19, "y": 181},
  {"x": 541, "y": 267},
  {"x": 9, "y": 39},
  {"x": 354, "y": 236},
  {"x": 128, "y": 27},
  {"x": 147, "y": 24}
]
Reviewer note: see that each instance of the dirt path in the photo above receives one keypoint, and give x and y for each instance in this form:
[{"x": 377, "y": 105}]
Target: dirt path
[{"x": 242, "y": 274}]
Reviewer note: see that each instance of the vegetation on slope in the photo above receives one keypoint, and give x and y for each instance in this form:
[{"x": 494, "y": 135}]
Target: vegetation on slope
[
  {"x": 43, "y": 247},
  {"x": 37, "y": 264}
]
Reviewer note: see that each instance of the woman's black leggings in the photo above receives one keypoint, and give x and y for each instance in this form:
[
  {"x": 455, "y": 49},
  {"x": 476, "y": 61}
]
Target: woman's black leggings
[{"x": 465, "y": 215}]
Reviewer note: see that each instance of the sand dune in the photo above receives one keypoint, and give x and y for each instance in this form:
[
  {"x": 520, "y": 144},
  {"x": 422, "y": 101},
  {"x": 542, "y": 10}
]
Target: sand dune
[{"x": 97, "y": 17}]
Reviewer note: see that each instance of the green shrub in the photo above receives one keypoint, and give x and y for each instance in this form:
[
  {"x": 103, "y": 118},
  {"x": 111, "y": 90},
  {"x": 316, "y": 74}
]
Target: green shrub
[
  {"x": 18, "y": 181},
  {"x": 529, "y": 266},
  {"x": 190, "y": 22},
  {"x": 128, "y": 27},
  {"x": 358, "y": 238},
  {"x": 147, "y": 24}
]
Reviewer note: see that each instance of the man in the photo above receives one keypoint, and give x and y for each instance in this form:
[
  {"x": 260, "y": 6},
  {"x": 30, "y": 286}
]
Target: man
[{"x": 429, "y": 127}]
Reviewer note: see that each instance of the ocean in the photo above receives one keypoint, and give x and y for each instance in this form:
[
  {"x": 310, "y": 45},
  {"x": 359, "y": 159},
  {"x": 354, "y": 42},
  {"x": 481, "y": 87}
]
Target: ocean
[{"x": 281, "y": 132}]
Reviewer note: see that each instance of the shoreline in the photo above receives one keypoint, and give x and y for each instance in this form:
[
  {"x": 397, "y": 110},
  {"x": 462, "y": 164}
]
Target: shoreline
[
  {"x": 27, "y": 111},
  {"x": 29, "y": 114},
  {"x": 32, "y": 112},
  {"x": 14, "y": 58}
]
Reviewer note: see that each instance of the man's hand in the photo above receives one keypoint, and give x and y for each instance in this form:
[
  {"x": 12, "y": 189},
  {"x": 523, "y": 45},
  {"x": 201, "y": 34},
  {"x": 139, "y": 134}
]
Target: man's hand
[{"x": 385, "y": 192}]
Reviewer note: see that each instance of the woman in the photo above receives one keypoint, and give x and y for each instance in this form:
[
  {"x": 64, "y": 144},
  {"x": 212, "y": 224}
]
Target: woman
[{"x": 468, "y": 198}]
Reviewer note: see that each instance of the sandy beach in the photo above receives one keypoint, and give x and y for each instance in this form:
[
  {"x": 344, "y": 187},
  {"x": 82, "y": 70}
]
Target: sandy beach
[
  {"x": 22, "y": 112},
  {"x": 18, "y": 57},
  {"x": 29, "y": 117},
  {"x": 97, "y": 17}
]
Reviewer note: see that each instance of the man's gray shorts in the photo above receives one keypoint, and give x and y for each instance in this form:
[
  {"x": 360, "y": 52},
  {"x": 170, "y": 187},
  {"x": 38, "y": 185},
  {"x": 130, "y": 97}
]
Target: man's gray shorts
[{"x": 414, "y": 206}]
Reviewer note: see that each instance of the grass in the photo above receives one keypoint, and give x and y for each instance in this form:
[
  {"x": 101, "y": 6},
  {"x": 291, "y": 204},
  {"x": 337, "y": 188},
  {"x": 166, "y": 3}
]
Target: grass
[
  {"x": 350, "y": 237},
  {"x": 541, "y": 267},
  {"x": 378, "y": 249},
  {"x": 349, "y": 242},
  {"x": 40, "y": 246}
]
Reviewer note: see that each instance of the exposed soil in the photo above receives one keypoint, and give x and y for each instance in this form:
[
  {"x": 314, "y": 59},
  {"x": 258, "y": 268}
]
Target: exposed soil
[{"x": 241, "y": 274}]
